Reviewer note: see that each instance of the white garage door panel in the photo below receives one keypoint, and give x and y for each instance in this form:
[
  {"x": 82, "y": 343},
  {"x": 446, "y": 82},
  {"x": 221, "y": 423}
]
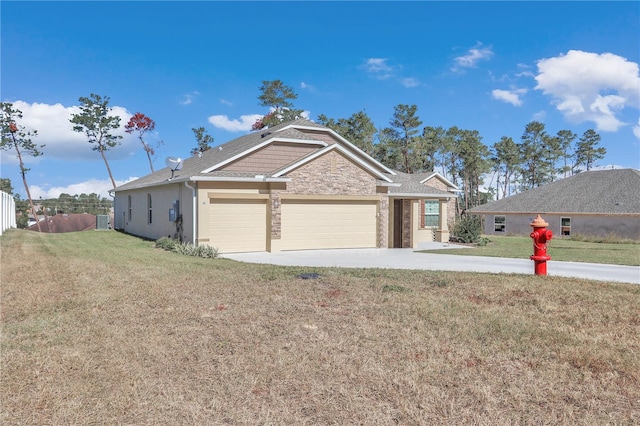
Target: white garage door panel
[
  {"x": 323, "y": 225},
  {"x": 238, "y": 225}
]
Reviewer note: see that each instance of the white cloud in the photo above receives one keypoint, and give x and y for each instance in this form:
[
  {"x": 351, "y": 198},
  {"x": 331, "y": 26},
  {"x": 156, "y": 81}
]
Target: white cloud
[
  {"x": 473, "y": 56},
  {"x": 308, "y": 87},
  {"x": 509, "y": 96},
  {"x": 226, "y": 102},
  {"x": 525, "y": 71},
  {"x": 605, "y": 108},
  {"x": 97, "y": 186},
  {"x": 409, "y": 82},
  {"x": 588, "y": 86},
  {"x": 379, "y": 68},
  {"x": 636, "y": 129},
  {"x": 188, "y": 98},
  {"x": 234, "y": 125},
  {"x": 55, "y": 131},
  {"x": 539, "y": 116}
]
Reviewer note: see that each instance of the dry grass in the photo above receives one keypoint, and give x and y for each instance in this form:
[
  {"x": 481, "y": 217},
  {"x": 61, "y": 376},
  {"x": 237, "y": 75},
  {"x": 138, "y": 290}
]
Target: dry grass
[{"x": 101, "y": 328}]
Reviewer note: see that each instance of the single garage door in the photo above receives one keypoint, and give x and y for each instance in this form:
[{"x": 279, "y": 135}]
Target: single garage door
[
  {"x": 328, "y": 224},
  {"x": 238, "y": 225}
]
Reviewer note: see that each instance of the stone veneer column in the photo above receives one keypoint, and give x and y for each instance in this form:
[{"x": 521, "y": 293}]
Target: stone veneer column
[
  {"x": 275, "y": 204},
  {"x": 276, "y": 214},
  {"x": 406, "y": 223},
  {"x": 383, "y": 222}
]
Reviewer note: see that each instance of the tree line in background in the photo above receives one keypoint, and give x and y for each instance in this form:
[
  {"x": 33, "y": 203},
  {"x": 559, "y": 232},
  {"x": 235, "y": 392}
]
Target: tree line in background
[
  {"x": 64, "y": 204},
  {"x": 458, "y": 154},
  {"x": 461, "y": 156},
  {"x": 405, "y": 144}
]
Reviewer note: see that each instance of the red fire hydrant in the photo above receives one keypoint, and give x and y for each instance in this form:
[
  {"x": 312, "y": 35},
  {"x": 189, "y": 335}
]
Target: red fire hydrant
[{"x": 540, "y": 237}]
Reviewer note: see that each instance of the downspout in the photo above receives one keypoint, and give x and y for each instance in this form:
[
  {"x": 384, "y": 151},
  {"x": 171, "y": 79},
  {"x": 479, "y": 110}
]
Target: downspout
[
  {"x": 193, "y": 208},
  {"x": 112, "y": 194}
]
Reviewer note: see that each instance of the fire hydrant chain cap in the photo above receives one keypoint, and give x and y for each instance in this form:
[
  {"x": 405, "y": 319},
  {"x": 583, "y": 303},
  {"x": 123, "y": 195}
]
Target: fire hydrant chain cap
[{"x": 538, "y": 222}]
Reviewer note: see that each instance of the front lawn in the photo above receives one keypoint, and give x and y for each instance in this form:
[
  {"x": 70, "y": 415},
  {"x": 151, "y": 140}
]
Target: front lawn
[
  {"x": 560, "y": 249},
  {"x": 104, "y": 328}
]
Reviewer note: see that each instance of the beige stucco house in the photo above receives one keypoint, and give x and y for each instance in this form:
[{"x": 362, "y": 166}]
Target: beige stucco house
[
  {"x": 593, "y": 203},
  {"x": 295, "y": 186}
]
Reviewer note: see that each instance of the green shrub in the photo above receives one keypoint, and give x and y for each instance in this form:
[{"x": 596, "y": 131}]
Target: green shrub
[
  {"x": 166, "y": 243},
  {"x": 187, "y": 249},
  {"x": 467, "y": 229},
  {"x": 483, "y": 241}
]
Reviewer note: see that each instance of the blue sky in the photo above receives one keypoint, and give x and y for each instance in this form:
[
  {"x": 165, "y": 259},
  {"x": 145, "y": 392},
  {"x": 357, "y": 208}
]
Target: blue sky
[{"x": 486, "y": 66}]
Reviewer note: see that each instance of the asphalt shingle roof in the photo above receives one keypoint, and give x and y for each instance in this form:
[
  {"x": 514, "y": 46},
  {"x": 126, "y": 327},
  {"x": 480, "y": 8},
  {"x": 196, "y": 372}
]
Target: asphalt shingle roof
[
  {"x": 194, "y": 166},
  {"x": 410, "y": 184},
  {"x": 614, "y": 191}
]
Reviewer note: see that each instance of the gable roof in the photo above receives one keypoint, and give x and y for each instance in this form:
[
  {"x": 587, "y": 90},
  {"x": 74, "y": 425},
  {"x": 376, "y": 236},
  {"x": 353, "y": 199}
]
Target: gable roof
[
  {"x": 596, "y": 191},
  {"x": 253, "y": 144},
  {"x": 415, "y": 185},
  {"x": 442, "y": 178},
  {"x": 346, "y": 142},
  {"x": 204, "y": 167},
  {"x": 334, "y": 147},
  {"x": 210, "y": 165}
]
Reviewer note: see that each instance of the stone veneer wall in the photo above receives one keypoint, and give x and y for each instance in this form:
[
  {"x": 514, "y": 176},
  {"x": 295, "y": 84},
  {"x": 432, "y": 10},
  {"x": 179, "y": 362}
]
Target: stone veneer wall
[
  {"x": 406, "y": 223},
  {"x": 331, "y": 174},
  {"x": 276, "y": 214},
  {"x": 383, "y": 221}
]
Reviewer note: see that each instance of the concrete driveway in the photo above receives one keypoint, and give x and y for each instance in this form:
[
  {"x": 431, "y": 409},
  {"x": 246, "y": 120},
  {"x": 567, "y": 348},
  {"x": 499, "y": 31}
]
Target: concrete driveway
[{"x": 410, "y": 259}]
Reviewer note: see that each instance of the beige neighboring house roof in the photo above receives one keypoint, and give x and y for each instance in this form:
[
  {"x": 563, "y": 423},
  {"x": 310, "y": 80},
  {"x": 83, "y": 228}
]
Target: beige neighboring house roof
[
  {"x": 318, "y": 140},
  {"x": 614, "y": 191}
]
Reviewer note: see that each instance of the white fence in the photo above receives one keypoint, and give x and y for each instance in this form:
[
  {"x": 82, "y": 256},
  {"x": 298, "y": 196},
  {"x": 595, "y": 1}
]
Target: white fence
[{"x": 7, "y": 212}]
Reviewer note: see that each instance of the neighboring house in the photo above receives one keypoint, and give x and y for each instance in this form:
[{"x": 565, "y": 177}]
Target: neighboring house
[
  {"x": 65, "y": 223},
  {"x": 7, "y": 212},
  {"x": 593, "y": 203},
  {"x": 298, "y": 185}
]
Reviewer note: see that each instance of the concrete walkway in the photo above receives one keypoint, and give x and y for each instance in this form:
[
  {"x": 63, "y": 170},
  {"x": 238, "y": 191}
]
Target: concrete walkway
[{"x": 410, "y": 259}]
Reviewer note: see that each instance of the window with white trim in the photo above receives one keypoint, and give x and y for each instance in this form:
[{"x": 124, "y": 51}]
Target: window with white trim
[
  {"x": 499, "y": 223},
  {"x": 431, "y": 214}
]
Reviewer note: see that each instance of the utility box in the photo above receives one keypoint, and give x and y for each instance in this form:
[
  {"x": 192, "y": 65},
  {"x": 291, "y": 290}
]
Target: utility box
[{"x": 102, "y": 221}]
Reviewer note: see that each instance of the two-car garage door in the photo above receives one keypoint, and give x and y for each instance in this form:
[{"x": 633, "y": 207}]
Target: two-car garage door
[
  {"x": 325, "y": 224},
  {"x": 240, "y": 225}
]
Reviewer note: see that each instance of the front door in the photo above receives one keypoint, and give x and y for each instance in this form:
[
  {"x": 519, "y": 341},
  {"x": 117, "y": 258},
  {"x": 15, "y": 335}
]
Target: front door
[{"x": 397, "y": 223}]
